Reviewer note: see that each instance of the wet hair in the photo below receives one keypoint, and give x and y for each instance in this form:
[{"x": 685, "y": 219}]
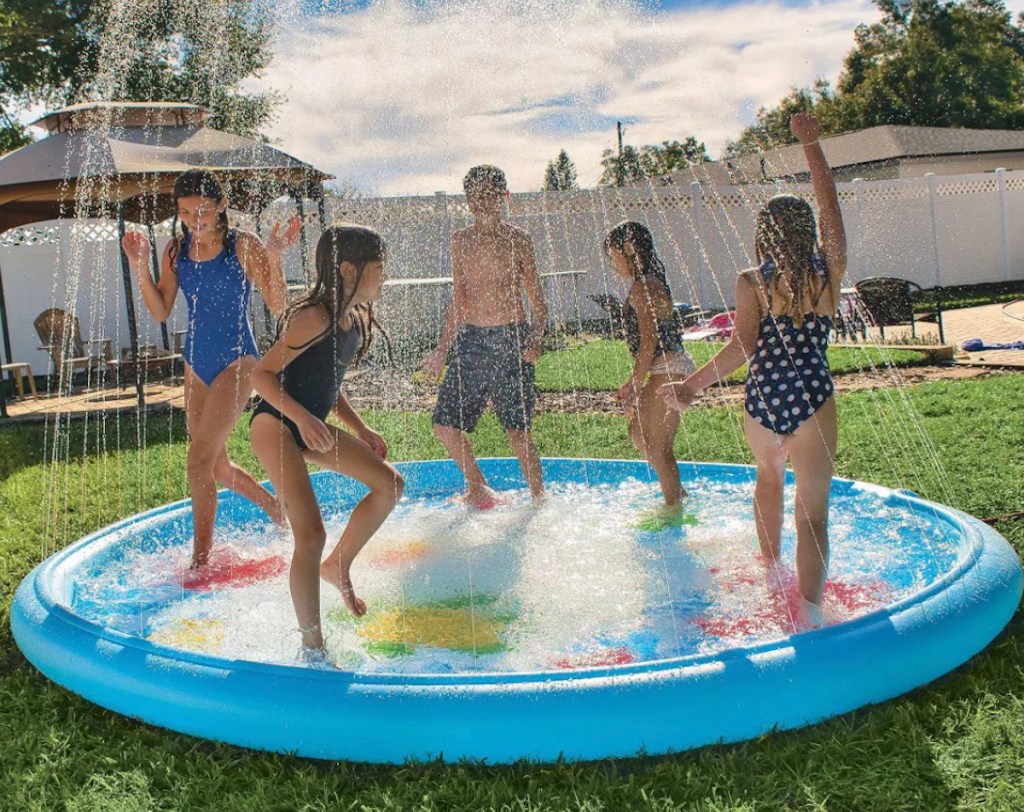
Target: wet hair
[
  {"x": 645, "y": 259},
  {"x": 199, "y": 183},
  {"x": 347, "y": 242},
  {"x": 787, "y": 235},
  {"x": 484, "y": 178}
]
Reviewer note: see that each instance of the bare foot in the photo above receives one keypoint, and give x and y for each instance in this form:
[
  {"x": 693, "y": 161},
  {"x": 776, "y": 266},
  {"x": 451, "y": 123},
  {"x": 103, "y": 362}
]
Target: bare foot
[
  {"x": 481, "y": 498},
  {"x": 339, "y": 578},
  {"x": 809, "y": 615},
  {"x": 200, "y": 555}
]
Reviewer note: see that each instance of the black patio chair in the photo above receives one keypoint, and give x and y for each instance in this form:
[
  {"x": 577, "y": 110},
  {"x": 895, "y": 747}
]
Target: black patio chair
[{"x": 890, "y": 300}]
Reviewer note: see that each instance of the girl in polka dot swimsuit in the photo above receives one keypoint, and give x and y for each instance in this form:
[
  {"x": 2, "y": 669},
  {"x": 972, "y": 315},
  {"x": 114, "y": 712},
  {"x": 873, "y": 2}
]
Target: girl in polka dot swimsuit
[{"x": 784, "y": 312}]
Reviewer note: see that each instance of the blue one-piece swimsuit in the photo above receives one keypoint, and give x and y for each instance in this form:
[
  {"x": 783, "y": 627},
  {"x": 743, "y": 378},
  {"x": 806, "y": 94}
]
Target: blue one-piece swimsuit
[
  {"x": 788, "y": 378},
  {"x": 217, "y": 292}
]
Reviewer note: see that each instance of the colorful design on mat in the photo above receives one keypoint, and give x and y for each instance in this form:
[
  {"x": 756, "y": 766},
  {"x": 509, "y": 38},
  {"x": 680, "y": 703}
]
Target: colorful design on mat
[
  {"x": 595, "y": 659},
  {"x": 191, "y": 634},
  {"x": 399, "y": 556},
  {"x": 658, "y": 520},
  {"x": 782, "y": 609},
  {"x": 228, "y": 569},
  {"x": 459, "y": 625}
]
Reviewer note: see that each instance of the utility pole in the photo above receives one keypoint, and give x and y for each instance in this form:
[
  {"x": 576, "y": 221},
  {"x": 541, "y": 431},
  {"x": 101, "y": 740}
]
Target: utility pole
[{"x": 620, "y": 178}]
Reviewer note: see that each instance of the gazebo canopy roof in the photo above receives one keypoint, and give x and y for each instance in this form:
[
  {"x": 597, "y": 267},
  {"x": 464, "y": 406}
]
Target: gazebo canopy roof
[{"x": 102, "y": 154}]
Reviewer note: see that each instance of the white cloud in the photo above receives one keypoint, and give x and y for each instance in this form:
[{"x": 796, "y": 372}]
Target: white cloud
[{"x": 400, "y": 99}]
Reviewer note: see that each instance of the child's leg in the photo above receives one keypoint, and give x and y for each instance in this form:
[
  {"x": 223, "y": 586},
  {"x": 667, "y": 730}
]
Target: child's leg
[
  {"x": 812, "y": 451},
  {"x": 211, "y": 414},
  {"x": 456, "y": 443},
  {"x": 280, "y": 456},
  {"x": 529, "y": 459},
  {"x": 654, "y": 431},
  {"x": 236, "y": 479},
  {"x": 355, "y": 459},
  {"x": 770, "y": 456}
]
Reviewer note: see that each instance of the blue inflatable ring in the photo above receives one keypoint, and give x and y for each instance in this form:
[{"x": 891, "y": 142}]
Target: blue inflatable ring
[{"x": 597, "y": 712}]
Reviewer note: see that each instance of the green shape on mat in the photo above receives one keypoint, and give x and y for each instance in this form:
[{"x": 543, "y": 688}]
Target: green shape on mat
[{"x": 658, "y": 521}]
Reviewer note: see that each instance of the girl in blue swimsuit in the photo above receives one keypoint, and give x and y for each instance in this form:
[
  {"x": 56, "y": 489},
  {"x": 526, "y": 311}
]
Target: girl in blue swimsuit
[
  {"x": 784, "y": 312},
  {"x": 216, "y": 268},
  {"x": 300, "y": 380},
  {"x": 654, "y": 335}
]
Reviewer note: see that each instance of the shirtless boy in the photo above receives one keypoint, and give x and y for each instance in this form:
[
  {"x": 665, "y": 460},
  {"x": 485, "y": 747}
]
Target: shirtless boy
[{"x": 493, "y": 347}]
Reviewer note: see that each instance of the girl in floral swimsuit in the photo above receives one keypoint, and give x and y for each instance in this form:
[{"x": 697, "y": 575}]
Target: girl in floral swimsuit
[{"x": 784, "y": 312}]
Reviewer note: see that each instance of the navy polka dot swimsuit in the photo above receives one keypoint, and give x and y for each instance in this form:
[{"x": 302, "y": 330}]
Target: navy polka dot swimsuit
[{"x": 788, "y": 378}]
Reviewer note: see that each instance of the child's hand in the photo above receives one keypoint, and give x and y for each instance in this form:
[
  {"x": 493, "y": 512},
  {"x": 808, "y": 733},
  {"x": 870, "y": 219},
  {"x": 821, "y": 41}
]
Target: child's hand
[
  {"x": 279, "y": 239},
  {"x": 677, "y": 396},
  {"x": 534, "y": 348},
  {"x": 377, "y": 443},
  {"x": 433, "y": 365},
  {"x": 628, "y": 394},
  {"x": 136, "y": 248},
  {"x": 804, "y": 127},
  {"x": 316, "y": 434}
]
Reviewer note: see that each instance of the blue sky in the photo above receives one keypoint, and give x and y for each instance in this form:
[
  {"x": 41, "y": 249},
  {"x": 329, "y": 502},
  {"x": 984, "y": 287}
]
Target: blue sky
[{"x": 402, "y": 96}]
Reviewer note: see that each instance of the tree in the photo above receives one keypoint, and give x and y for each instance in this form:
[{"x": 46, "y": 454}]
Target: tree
[
  {"x": 619, "y": 171},
  {"x": 932, "y": 63},
  {"x": 671, "y": 156},
  {"x": 560, "y": 175},
  {"x": 937, "y": 63},
  {"x": 152, "y": 50}
]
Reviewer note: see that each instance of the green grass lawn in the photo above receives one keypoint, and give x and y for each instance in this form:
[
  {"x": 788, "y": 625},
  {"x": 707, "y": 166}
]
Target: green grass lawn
[
  {"x": 605, "y": 364},
  {"x": 957, "y": 744}
]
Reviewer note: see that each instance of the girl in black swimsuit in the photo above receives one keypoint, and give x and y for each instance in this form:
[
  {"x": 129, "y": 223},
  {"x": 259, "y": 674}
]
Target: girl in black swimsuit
[{"x": 299, "y": 379}]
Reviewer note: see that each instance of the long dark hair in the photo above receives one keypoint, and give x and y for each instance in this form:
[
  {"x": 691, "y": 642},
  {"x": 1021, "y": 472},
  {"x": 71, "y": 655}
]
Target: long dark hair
[
  {"x": 342, "y": 243},
  {"x": 646, "y": 261},
  {"x": 198, "y": 183},
  {"x": 787, "y": 235}
]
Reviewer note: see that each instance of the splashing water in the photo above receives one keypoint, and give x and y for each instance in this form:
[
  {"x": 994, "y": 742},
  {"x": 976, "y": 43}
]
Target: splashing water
[{"x": 566, "y": 584}]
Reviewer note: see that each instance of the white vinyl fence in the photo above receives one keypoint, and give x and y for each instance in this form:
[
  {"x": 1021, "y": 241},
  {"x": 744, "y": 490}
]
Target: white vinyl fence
[{"x": 954, "y": 230}]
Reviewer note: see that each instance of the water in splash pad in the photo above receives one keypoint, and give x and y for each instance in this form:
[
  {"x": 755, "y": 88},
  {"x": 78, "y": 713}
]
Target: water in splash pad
[
  {"x": 565, "y": 627},
  {"x": 575, "y": 580}
]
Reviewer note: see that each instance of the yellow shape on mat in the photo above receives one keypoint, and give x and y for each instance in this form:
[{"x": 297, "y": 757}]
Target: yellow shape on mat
[
  {"x": 396, "y": 556},
  {"x": 458, "y": 629},
  {"x": 192, "y": 634}
]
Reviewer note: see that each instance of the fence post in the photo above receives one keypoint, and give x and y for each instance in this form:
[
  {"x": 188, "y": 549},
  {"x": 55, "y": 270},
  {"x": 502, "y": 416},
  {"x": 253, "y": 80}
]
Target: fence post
[
  {"x": 444, "y": 257},
  {"x": 698, "y": 264},
  {"x": 932, "y": 198},
  {"x": 1004, "y": 223}
]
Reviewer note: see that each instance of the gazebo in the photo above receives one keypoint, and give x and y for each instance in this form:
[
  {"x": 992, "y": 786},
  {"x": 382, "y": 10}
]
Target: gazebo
[{"x": 120, "y": 159}]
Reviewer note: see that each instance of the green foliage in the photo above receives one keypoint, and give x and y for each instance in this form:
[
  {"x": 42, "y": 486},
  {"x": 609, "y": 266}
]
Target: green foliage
[
  {"x": 160, "y": 51},
  {"x": 650, "y": 161},
  {"x": 560, "y": 175},
  {"x": 931, "y": 63}
]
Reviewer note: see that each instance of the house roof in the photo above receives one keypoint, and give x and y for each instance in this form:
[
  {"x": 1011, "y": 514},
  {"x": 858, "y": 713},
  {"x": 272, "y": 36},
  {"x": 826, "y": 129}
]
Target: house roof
[{"x": 869, "y": 146}]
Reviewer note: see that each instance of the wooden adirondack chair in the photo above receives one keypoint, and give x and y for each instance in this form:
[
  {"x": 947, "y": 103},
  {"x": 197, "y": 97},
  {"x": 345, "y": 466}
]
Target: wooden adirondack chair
[{"x": 61, "y": 336}]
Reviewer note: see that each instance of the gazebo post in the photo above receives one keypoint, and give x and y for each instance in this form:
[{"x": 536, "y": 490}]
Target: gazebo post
[
  {"x": 153, "y": 256},
  {"x": 129, "y": 302},
  {"x": 7, "y": 344},
  {"x": 321, "y": 209},
  {"x": 303, "y": 242}
]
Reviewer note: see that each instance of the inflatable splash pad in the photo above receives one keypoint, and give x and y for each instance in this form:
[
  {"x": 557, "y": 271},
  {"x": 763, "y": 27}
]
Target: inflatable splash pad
[{"x": 584, "y": 626}]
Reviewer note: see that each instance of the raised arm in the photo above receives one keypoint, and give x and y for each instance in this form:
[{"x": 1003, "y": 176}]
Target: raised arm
[
  {"x": 745, "y": 329},
  {"x": 263, "y": 267},
  {"x": 158, "y": 296},
  {"x": 830, "y": 216},
  {"x": 534, "y": 289}
]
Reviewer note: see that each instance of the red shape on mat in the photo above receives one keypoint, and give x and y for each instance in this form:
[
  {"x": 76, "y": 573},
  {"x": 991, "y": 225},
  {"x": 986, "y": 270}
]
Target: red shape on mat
[
  {"x": 228, "y": 569},
  {"x": 606, "y": 656},
  {"x": 784, "y": 606}
]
